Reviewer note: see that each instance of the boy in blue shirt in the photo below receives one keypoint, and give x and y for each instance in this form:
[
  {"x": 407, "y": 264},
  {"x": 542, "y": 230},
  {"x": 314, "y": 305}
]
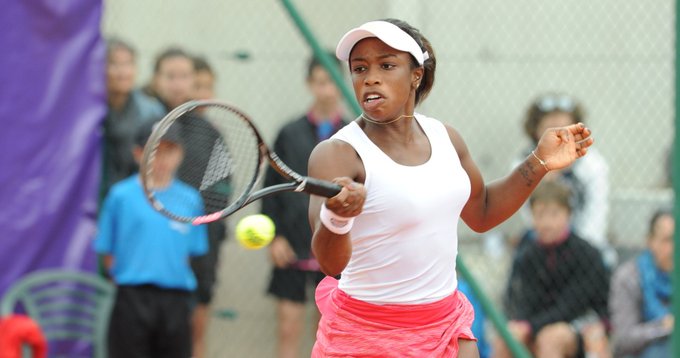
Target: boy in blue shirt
[{"x": 147, "y": 255}]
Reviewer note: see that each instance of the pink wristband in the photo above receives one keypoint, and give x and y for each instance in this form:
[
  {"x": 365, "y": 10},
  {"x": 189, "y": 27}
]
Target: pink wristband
[{"x": 335, "y": 223}]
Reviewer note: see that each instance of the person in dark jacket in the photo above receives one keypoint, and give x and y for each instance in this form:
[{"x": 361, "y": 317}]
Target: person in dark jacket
[
  {"x": 294, "y": 267},
  {"x": 128, "y": 109},
  {"x": 557, "y": 295}
]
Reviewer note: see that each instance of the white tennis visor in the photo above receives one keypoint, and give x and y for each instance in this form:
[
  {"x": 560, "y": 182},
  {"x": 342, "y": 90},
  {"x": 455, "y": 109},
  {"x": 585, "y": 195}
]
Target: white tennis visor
[{"x": 387, "y": 32}]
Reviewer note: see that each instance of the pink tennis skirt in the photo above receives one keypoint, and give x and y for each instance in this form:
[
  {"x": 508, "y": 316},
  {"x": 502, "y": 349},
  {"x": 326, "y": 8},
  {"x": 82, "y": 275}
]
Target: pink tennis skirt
[{"x": 354, "y": 328}]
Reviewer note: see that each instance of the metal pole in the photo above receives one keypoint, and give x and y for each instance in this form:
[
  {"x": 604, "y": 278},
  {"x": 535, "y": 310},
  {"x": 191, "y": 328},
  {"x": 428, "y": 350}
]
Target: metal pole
[
  {"x": 497, "y": 318},
  {"x": 323, "y": 57}
]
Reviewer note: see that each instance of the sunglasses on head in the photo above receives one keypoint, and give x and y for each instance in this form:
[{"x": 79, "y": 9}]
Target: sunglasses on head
[{"x": 556, "y": 103}]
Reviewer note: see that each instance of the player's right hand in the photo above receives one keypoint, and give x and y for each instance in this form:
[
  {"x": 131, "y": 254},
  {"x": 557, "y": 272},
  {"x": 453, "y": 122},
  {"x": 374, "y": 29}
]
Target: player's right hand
[{"x": 350, "y": 201}]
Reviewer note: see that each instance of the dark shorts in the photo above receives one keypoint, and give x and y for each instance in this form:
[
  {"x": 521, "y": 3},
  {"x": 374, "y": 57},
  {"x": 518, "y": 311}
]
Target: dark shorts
[
  {"x": 205, "y": 267},
  {"x": 149, "y": 321},
  {"x": 291, "y": 284}
]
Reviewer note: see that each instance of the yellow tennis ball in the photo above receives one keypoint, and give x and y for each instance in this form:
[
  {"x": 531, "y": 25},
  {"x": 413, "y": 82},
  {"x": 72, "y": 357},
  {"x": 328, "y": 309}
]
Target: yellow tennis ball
[{"x": 255, "y": 231}]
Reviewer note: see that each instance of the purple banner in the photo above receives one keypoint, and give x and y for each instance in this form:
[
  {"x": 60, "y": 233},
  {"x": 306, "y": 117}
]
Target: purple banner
[{"x": 52, "y": 101}]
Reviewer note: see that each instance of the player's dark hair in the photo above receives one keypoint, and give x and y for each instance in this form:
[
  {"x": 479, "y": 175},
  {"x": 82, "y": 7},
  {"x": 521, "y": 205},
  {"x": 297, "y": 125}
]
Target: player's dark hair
[
  {"x": 201, "y": 64},
  {"x": 549, "y": 103},
  {"x": 170, "y": 53},
  {"x": 430, "y": 64},
  {"x": 115, "y": 43},
  {"x": 314, "y": 62},
  {"x": 552, "y": 191},
  {"x": 166, "y": 54}
]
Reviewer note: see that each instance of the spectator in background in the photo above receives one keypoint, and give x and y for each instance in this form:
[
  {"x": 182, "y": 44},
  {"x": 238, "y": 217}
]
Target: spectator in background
[
  {"x": 294, "y": 267},
  {"x": 173, "y": 78},
  {"x": 204, "y": 267},
  {"x": 205, "y": 79},
  {"x": 640, "y": 295},
  {"x": 558, "y": 296},
  {"x": 588, "y": 179},
  {"x": 178, "y": 78},
  {"x": 147, "y": 255},
  {"x": 127, "y": 110}
]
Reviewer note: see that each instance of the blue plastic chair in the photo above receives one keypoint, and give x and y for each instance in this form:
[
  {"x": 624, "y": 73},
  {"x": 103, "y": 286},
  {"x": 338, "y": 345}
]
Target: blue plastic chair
[{"x": 69, "y": 306}]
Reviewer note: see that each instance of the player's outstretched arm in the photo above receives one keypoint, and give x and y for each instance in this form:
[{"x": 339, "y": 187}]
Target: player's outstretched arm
[
  {"x": 336, "y": 161},
  {"x": 491, "y": 204}
]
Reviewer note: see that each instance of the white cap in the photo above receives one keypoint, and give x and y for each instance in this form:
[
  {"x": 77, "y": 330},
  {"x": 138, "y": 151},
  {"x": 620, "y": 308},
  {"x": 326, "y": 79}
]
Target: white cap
[{"x": 387, "y": 32}]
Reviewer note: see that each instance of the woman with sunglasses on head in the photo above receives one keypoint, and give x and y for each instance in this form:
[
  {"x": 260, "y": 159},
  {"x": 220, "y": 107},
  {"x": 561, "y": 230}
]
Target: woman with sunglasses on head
[
  {"x": 588, "y": 179},
  {"x": 407, "y": 179},
  {"x": 588, "y": 182}
]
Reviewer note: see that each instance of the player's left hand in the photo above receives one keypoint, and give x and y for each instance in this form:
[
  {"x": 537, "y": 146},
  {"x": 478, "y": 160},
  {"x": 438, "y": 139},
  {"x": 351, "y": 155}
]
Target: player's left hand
[{"x": 560, "y": 147}]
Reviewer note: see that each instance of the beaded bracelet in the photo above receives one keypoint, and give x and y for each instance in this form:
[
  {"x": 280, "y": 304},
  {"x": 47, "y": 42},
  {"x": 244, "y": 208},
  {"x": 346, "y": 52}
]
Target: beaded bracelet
[{"x": 543, "y": 163}]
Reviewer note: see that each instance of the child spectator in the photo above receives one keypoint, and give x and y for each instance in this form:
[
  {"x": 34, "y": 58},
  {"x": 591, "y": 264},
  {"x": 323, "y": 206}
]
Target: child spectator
[
  {"x": 147, "y": 255},
  {"x": 559, "y": 290}
]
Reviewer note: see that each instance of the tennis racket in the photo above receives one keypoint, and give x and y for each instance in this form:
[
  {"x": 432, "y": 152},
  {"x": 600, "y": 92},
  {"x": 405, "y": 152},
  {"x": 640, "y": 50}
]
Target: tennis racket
[{"x": 223, "y": 157}]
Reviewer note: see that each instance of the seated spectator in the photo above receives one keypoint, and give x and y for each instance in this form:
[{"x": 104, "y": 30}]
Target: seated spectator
[
  {"x": 558, "y": 295},
  {"x": 128, "y": 109},
  {"x": 640, "y": 295}
]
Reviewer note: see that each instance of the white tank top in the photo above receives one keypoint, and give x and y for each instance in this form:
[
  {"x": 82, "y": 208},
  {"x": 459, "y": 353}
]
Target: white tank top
[{"x": 405, "y": 242}]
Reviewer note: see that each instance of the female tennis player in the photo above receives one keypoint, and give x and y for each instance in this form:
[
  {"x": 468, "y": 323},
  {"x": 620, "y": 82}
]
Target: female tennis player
[{"x": 391, "y": 233}]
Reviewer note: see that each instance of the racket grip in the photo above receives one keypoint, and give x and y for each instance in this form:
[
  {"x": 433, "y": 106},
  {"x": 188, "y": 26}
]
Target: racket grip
[{"x": 321, "y": 187}]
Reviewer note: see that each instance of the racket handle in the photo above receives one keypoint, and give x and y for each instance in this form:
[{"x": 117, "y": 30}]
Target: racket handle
[{"x": 321, "y": 187}]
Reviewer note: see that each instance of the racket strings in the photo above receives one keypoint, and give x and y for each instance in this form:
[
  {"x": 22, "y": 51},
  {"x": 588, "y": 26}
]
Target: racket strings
[
  {"x": 221, "y": 159},
  {"x": 219, "y": 166}
]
